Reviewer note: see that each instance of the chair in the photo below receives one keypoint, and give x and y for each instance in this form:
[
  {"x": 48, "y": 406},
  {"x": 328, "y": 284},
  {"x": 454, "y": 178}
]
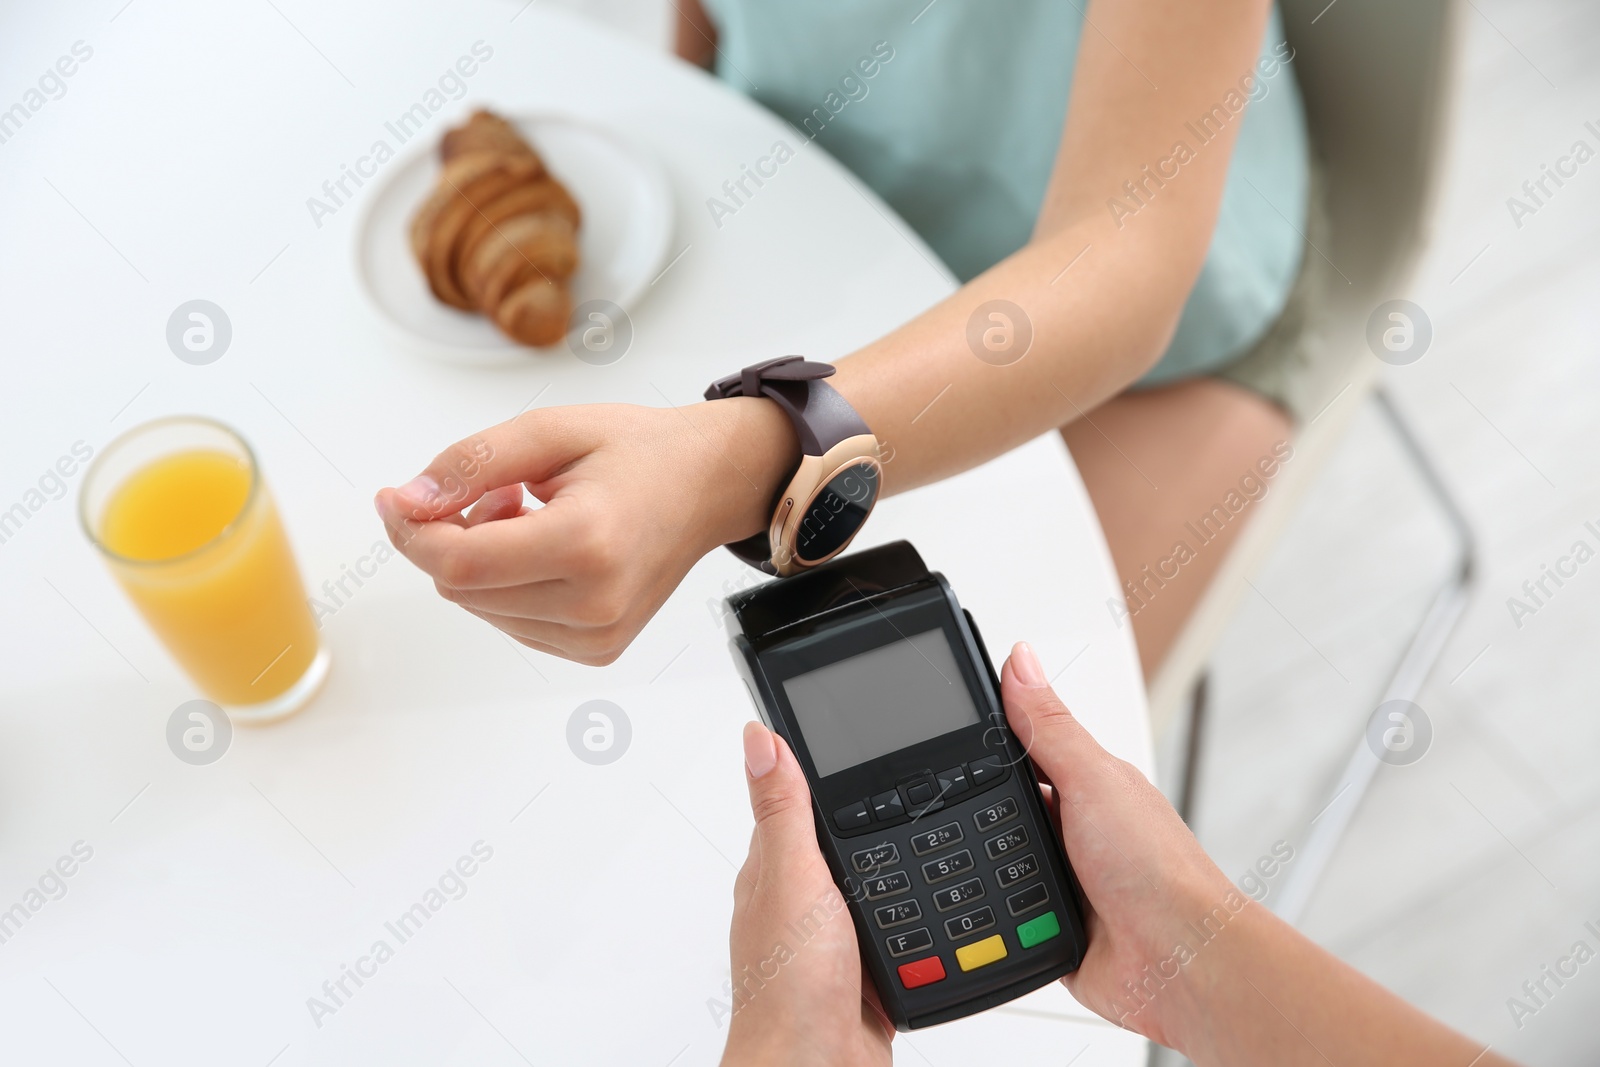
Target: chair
[{"x": 1376, "y": 78}]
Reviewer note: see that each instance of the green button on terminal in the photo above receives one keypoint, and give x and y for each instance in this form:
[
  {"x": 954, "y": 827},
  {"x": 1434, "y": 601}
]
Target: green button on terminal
[{"x": 1039, "y": 930}]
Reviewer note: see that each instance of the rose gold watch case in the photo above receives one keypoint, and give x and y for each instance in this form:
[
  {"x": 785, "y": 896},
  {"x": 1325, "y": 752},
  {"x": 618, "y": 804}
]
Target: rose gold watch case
[{"x": 810, "y": 478}]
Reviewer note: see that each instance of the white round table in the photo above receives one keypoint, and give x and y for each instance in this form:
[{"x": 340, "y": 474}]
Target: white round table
[{"x": 215, "y": 901}]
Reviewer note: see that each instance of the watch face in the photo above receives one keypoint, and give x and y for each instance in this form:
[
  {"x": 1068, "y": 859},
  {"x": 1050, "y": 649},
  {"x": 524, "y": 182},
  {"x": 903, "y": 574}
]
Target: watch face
[{"x": 836, "y": 513}]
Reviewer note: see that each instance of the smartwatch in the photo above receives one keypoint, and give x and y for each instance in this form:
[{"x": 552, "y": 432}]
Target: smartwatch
[{"x": 832, "y": 490}]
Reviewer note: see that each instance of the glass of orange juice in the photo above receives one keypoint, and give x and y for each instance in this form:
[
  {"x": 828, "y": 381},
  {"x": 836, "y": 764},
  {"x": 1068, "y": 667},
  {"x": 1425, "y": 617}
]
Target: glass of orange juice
[{"x": 179, "y": 509}]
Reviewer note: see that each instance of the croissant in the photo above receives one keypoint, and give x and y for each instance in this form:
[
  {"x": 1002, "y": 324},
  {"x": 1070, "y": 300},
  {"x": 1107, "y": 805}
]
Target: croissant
[{"x": 499, "y": 234}]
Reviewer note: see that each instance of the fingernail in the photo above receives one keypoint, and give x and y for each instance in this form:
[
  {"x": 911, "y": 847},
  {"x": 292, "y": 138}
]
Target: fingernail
[
  {"x": 420, "y": 492},
  {"x": 1025, "y": 665},
  {"x": 760, "y": 750}
]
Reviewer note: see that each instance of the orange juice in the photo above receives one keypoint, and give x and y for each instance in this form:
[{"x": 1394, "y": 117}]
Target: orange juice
[{"x": 196, "y": 542}]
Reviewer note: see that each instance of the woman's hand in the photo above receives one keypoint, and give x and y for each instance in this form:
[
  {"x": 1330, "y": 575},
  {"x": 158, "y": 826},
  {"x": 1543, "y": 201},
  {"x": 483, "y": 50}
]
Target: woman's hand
[
  {"x": 799, "y": 992},
  {"x": 1176, "y": 952},
  {"x": 632, "y": 496},
  {"x": 1149, "y": 884}
]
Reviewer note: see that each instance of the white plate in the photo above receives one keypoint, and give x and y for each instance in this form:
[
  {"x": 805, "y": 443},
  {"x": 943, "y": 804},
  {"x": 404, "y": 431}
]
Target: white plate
[{"x": 627, "y": 225}]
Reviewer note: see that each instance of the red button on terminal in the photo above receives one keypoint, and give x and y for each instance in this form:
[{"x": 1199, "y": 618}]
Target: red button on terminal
[{"x": 922, "y": 972}]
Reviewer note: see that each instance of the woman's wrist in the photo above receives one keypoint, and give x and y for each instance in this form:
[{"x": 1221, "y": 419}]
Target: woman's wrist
[
  {"x": 758, "y": 452},
  {"x": 787, "y": 1041},
  {"x": 1185, "y": 947},
  {"x": 1221, "y": 946},
  {"x": 768, "y": 1048}
]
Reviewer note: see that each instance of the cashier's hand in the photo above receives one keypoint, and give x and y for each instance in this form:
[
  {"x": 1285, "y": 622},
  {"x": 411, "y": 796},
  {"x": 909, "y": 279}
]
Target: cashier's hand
[
  {"x": 799, "y": 993},
  {"x": 1144, "y": 874},
  {"x": 633, "y": 496}
]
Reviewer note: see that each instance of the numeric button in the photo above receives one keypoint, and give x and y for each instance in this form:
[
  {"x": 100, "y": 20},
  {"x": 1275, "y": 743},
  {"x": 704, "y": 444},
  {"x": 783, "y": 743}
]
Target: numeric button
[
  {"x": 947, "y": 866},
  {"x": 995, "y": 814},
  {"x": 1006, "y": 843},
  {"x": 875, "y": 858},
  {"x": 898, "y": 914},
  {"x": 886, "y": 885},
  {"x": 968, "y": 924},
  {"x": 957, "y": 895},
  {"x": 1009, "y": 874},
  {"x": 933, "y": 840}
]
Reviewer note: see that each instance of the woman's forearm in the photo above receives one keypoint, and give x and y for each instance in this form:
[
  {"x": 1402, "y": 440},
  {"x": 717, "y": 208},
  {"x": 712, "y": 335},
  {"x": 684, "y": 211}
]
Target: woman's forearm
[
  {"x": 1100, "y": 307},
  {"x": 1054, "y": 330},
  {"x": 1087, "y": 309},
  {"x": 1091, "y": 302},
  {"x": 1260, "y": 994}
]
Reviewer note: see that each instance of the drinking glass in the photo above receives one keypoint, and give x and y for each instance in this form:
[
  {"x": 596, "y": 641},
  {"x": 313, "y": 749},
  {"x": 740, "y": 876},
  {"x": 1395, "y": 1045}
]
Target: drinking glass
[{"x": 180, "y": 512}]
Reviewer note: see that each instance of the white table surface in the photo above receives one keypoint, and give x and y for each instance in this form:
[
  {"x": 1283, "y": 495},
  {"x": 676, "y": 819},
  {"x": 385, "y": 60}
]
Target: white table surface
[{"x": 219, "y": 898}]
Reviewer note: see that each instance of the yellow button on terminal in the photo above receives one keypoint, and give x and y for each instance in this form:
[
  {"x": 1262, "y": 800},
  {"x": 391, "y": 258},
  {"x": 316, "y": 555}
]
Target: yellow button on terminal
[{"x": 981, "y": 953}]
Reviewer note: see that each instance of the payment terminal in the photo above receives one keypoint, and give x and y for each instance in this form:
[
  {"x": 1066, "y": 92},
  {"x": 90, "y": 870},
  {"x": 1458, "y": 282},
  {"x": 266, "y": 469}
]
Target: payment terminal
[{"x": 927, "y": 807}]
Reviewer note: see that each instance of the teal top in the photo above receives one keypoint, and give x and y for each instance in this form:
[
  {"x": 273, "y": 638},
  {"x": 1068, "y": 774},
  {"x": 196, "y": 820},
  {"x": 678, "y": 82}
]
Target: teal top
[{"x": 953, "y": 110}]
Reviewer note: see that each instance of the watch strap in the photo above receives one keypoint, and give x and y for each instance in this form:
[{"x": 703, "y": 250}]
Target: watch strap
[
  {"x": 820, "y": 416},
  {"x": 755, "y": 550}
]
